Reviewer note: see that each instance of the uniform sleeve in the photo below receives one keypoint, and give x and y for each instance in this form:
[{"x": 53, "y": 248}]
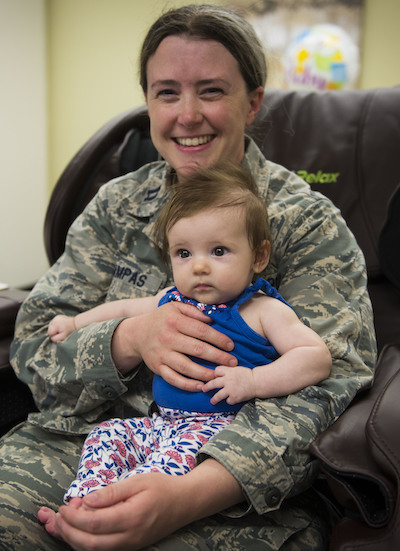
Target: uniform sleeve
[
  {"x": 318, "y": 267},
  {"x": 76, "y": 377}
]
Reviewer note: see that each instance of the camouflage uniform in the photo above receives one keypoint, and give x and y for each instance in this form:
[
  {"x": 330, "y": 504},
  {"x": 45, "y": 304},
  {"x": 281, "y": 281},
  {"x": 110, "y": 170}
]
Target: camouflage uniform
[{"x": 316, "y": 265}]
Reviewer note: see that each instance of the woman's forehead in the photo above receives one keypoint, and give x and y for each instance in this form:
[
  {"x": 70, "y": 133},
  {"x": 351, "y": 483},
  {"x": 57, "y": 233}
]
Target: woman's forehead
[{"x": 179, "y": 54}]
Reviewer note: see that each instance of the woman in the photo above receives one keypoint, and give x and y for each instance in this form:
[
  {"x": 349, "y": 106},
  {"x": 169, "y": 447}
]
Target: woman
[{"x": 203, "y": 74}]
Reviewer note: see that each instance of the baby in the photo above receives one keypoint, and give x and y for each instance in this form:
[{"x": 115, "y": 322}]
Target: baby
[{"x": 214, "y": 231}]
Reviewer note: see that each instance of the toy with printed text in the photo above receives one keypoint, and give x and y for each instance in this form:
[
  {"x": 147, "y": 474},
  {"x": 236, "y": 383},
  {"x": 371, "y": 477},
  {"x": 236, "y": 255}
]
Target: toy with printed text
[{"x": 323, "y": 57}]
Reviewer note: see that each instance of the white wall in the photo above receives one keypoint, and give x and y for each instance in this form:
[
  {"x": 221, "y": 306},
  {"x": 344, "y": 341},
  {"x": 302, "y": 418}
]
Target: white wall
[{"x": 23, "y": 154}]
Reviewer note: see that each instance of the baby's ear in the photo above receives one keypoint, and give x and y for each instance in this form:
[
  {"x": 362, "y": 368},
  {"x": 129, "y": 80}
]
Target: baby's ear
[{"x": 261, "y": 257}]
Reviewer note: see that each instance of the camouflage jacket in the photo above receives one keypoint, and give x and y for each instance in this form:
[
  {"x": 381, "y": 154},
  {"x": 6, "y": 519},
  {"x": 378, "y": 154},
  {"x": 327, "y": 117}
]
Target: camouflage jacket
[{"x": 316, "y": 265}]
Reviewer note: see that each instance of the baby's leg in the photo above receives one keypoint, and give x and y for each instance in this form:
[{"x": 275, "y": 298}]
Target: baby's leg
[
  {"x": 179, "y": 435},
  {"x": 112, "y": 448}
]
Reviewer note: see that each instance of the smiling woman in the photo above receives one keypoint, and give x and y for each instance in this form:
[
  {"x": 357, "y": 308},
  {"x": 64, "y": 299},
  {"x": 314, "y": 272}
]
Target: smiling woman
[{"x": 198, "y": 116}]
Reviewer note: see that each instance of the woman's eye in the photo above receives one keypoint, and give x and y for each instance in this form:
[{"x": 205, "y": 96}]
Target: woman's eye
[
  {"x": 167, "y": 94},
  {"x": 212, "y": 92},
  {"x": 219, "y": 251},
  {"x": 183, "y": 253}
]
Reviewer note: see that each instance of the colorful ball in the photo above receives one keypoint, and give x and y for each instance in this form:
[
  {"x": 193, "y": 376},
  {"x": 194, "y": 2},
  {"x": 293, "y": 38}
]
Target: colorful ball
[{"x": 323, "y": 57}]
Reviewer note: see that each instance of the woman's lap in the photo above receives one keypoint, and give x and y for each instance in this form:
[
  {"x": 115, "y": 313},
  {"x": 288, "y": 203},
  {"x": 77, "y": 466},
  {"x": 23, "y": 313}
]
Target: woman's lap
[{"x": 36, "y": 466}]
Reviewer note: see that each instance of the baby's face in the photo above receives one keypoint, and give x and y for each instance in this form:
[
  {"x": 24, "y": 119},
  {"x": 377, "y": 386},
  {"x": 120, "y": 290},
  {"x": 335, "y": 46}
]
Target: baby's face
[{"x": 212, "y": 260}]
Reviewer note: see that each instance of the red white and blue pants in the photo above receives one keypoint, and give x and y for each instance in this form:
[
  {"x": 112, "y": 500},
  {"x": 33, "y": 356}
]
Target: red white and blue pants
[{"x": 167, "y": 442}]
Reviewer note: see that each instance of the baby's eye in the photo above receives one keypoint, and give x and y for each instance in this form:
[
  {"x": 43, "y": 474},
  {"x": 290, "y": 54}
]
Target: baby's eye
[
  {"x": 183, "y": 253},
  {"x": 220, "y": 251}
]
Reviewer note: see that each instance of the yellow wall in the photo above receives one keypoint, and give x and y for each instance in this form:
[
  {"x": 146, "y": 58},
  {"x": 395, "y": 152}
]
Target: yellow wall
[
  {"x": 92, "y": 70},
  {"x": 381, "y": 44}
]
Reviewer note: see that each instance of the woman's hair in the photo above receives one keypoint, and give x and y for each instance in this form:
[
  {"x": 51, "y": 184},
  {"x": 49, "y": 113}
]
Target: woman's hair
[
  {"x": 206, "y": 22},
  {"x": 223, "y": 185}
]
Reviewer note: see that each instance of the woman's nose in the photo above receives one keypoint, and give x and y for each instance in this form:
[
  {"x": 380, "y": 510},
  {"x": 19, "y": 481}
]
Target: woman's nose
[{"x": 190, "y": 112}]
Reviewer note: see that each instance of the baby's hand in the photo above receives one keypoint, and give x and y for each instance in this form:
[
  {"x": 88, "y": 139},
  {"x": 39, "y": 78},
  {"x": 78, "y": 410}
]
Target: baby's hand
[
  {"x": 61, "y": 327},
  {"x": 236, "y": 385}
]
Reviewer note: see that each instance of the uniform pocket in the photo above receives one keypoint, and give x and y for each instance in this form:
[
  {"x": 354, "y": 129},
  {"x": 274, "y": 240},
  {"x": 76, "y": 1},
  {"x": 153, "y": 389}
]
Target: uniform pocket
[{"x": 133, "y": 279}]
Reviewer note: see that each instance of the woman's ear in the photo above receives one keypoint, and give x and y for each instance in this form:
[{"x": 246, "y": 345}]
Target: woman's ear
[
  {"x": 261, "y": 257},
  {"x": 255, "y": 101}
]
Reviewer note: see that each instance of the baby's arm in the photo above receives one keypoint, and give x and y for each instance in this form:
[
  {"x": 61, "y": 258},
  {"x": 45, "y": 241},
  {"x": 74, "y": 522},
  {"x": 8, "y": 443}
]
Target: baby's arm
[
  {"x": 305, "y": 360},
  {"x": 62, "y": 326}
]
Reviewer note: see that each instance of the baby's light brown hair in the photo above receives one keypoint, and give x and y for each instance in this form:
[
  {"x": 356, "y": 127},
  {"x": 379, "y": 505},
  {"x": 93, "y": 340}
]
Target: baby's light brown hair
[{"x": 223, "y": 185}]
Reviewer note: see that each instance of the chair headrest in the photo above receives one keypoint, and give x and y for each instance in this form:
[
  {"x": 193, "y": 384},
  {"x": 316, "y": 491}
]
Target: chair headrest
[{"x": 346, "y": 144}]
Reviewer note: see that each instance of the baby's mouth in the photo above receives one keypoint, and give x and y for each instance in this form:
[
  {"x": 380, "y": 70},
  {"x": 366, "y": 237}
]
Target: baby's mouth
[{"x": 195, "y": 141}]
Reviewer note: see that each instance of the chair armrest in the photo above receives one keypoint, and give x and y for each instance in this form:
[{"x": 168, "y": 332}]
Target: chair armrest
[
  {"x": 10, "y": 302},
  {"x": 15, "y": 397},
  {"x": 359, "y": 456}
]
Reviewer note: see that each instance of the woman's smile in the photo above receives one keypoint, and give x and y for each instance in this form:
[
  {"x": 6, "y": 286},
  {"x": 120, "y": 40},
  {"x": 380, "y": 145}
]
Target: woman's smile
[{"x": 195, "y": 141}]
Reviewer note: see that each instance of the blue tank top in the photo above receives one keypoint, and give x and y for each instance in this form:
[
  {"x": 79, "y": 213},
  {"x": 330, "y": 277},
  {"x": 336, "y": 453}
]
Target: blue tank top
[{"x": 251, "y": 349}]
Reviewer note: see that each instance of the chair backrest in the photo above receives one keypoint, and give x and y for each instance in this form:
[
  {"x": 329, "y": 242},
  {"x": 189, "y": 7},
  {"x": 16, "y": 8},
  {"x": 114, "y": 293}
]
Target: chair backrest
[
  {"x": 345, "y": 144},
  {"x": 123, "y": 144}
]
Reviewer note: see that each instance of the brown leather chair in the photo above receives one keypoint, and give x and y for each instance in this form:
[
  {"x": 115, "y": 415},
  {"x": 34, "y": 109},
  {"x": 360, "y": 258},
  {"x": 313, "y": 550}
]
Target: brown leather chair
[{"x": 345, "y": 144}]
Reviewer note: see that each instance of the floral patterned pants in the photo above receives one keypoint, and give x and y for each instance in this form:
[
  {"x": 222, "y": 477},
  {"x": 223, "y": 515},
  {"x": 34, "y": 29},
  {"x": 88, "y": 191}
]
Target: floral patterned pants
[{"x": 167, "y": 442}]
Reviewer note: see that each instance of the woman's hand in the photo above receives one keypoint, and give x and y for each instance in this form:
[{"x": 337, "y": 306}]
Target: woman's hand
[
  {"x": 165, "y": 338},
  {"x": 143, "y": 508}
]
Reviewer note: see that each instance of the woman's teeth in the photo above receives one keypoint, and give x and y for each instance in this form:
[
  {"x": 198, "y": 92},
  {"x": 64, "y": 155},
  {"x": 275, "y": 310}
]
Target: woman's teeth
[{"x": 193, "y": 142}]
